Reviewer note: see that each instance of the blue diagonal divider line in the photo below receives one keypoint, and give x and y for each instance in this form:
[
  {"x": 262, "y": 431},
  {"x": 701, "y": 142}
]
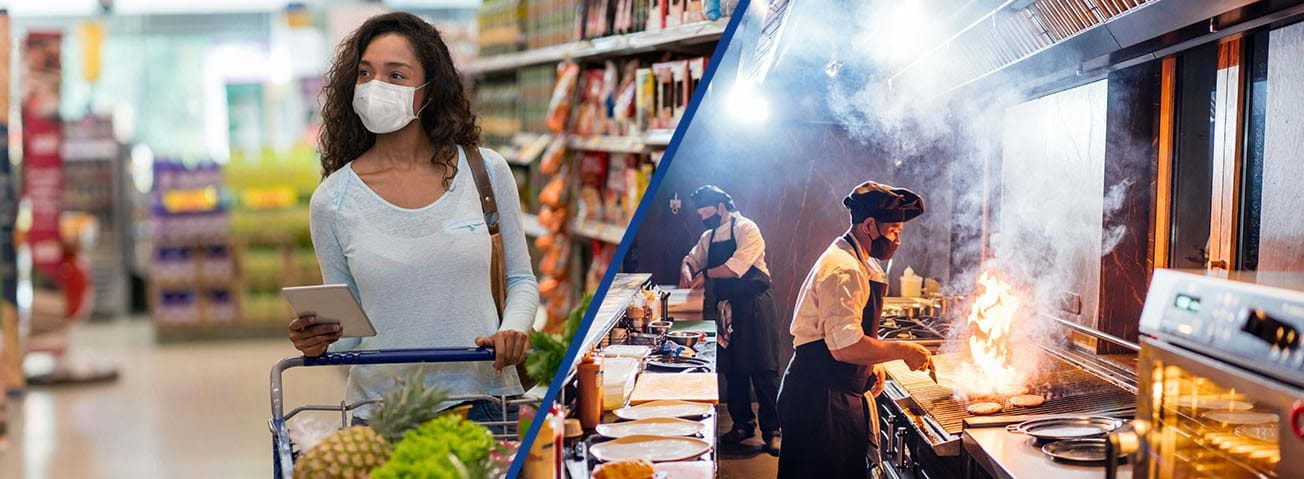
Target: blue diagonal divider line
[{"x": 717, "y": 57}]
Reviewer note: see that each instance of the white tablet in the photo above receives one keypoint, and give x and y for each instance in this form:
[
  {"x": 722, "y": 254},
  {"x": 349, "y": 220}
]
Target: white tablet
[{"x": 332, "y": 303}]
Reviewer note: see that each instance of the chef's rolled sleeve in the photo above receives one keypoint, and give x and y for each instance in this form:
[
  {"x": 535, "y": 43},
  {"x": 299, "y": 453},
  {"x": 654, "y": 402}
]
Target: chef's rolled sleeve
[
  {"x": 842, "y": 295},
  {"x": 751, "y": 246},
  {"x": 696, "y": 258}
]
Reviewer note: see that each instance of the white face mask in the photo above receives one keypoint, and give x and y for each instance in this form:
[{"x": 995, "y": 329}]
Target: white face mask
[{"x": 385, "y": 107}]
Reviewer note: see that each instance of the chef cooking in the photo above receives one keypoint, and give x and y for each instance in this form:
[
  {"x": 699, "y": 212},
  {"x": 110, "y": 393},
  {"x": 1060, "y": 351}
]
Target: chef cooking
[
  {"x": 729, "y": 260},
  {"x": 823, "y": 405}
]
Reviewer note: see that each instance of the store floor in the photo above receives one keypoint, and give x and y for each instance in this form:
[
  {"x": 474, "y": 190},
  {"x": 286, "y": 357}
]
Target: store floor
[
  {"x": 746, "y": 460},
  {"x": 192, "y": 410}
]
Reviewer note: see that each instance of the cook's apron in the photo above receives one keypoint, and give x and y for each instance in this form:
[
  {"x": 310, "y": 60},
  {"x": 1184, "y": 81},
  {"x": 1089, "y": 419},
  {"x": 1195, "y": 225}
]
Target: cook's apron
[
  {"x": 828, "y": 418},
  {"x": 748, "y": 336}
]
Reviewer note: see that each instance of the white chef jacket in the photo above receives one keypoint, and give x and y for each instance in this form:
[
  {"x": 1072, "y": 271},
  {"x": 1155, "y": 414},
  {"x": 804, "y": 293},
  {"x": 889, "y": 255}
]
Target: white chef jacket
[
  {"x": 750, "y": 252},
  {"x": 832, "y": 299}
]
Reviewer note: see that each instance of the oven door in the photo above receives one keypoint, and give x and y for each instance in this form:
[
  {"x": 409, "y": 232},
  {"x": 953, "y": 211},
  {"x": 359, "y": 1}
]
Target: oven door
[{"x": 1206, "y": 418}]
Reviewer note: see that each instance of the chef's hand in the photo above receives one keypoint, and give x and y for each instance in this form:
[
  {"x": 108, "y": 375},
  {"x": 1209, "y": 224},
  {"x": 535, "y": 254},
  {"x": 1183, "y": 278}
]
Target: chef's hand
[
  {"x": 685, "y": 279},
  {"x": 312, "y": 338},
  {"x": 878, "y": 385},
  {"x": 698, "y": 282},
  {"x": 509, "y": 346},
  {"x": 915, "y": 356}
]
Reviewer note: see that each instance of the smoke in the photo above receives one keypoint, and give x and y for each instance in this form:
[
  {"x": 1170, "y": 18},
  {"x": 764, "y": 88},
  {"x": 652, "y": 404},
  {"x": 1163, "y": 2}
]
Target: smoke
[{"x": 1035, "y": 166}]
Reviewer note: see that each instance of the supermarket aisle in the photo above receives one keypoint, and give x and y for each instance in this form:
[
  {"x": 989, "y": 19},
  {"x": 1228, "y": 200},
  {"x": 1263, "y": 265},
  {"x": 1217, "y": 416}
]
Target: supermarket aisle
[{"x": 179, "y": 410}]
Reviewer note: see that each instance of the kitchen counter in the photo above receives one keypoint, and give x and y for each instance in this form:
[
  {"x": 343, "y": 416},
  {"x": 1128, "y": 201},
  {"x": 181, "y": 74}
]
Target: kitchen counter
[
  {"x": 1008, "y": 455},
  {"x": 609, "y": 314}
]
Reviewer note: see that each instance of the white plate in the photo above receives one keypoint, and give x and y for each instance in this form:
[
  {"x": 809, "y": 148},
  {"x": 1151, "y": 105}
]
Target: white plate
[
  {"x": 1214, "y": 403},
  {"x": 664, "y": 409},
  {"x": 652, "y": 448},
  {"x": 657, "y": 426},
  {"x": 1242, "y": 417}
]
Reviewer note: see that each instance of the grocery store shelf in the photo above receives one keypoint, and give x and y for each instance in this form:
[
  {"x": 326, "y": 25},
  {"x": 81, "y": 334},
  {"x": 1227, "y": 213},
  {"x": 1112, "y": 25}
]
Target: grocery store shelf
[
  {"x": 530, "y": 223},
  {"x": 621, "y": 144},
  {"x": 618, "y": 45},
  {"x": 599, "y": 231}
]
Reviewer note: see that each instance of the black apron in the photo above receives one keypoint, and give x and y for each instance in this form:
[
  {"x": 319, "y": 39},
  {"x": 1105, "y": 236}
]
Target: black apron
[
  {"x": 753, "y": 342},
  {"x": 822, "y": 408}
]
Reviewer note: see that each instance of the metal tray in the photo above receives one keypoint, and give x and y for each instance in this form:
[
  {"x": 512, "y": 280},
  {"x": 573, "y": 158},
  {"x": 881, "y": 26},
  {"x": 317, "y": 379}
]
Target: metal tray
[
  {"x": 677, "y": 363},
  {"x": 1067, "y": 427},
  {"x": 1077, "y": 450}
]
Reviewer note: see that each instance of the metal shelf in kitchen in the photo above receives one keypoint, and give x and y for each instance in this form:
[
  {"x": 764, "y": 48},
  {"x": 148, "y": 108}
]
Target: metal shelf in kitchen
[{"x": 618, "y": 45}]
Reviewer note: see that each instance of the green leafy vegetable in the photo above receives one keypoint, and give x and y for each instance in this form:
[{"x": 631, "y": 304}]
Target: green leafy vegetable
[
  {"x": 543, "y": 363},
  {"x": 449, "y": 447}
]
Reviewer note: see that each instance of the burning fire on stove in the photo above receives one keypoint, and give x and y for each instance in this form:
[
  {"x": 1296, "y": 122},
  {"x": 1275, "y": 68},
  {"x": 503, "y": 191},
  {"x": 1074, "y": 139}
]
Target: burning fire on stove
[{"x": 991, "y": 367}]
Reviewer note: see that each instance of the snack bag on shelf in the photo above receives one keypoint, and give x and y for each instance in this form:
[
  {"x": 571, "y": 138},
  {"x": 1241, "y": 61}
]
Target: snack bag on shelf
[
  {"x": 645, "y": 97},
  {"x": 614, "y": 193},
  {"x": 553, "y": 193},
  {"x": 554, "y": 157},
  {"x": 656, "y": 18},
  {"x": 674, "y": 13},
  {"x": 548, "y": 265},
  {"x": 622, "y": 108},
  {"x": 545, "y": 242},
  {"x": 606, "y": 99},
  {"x": 560, "y": 104},
  {"x": 590, "y": 207},
  {"x": 682, "y": 93},
  {"x": 664, "y": 104},
  {"x": 693, "y": 11},
  {"x": 590, "y": 109},
  {"x": 696, "y": 69}
]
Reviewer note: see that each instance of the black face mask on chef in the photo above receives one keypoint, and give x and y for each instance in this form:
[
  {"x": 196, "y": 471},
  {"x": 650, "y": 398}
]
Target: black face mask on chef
[
  {"x": 881, "y": 247},
  {"x": 713, "y": 221}
]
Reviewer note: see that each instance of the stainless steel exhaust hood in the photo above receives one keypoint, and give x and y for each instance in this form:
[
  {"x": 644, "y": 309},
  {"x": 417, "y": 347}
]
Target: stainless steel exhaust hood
[{"x": 1044, "y": 41}]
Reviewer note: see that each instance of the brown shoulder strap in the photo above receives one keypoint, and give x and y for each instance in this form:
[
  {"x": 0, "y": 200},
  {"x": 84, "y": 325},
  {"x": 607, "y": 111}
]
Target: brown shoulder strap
[
  {"x": 497, "y": 264},
  {"x": 486, "y": 190}
]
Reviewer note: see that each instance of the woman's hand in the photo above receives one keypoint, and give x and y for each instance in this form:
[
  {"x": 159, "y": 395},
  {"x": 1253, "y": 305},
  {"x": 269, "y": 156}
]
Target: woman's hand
[
  {"x": 509, "y": 346},
  {"x": 311, "y": 337}
]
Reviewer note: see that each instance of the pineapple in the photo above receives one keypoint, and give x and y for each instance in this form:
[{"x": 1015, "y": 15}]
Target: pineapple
[
  {"x": 355, "y": 451},
  {"x": 349, "y": 453}
]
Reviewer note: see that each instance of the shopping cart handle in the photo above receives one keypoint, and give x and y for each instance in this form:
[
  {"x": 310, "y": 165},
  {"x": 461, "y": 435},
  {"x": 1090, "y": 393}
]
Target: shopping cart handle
[{"x": 394, "y": 356}]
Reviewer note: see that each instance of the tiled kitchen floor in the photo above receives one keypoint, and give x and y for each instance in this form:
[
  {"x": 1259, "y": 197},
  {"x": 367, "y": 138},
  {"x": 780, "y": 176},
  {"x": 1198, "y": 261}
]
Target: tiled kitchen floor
[{"x": 189, "y": 410}]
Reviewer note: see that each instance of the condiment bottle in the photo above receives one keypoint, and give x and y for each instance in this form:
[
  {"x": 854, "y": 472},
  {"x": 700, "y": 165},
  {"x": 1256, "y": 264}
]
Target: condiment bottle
[
  {"x": 589, "y": 375},
  {"x": 544, "y": 460}
]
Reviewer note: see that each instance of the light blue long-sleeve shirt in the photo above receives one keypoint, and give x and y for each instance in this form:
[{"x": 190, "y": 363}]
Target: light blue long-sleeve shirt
[{"x": 422, "y": 275}]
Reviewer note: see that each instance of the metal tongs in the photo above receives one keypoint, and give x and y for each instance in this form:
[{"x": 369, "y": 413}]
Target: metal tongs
[{"x": 932, "y": 371}]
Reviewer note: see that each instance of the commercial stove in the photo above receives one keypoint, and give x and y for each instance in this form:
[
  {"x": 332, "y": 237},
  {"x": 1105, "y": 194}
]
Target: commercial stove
[{"x": 921, "y": 421}]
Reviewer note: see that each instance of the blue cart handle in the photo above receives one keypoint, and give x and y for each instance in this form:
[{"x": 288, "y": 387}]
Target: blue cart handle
[
  {"x": 399, "y": 356},
  {"x": 382, "y": 356}
]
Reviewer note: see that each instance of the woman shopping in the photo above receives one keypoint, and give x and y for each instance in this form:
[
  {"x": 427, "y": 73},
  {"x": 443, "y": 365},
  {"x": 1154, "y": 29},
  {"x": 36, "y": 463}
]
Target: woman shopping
[{"x": 401, "y": 218}]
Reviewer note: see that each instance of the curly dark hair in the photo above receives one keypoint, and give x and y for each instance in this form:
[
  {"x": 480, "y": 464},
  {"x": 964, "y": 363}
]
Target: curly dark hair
[{"x": 447, "y": 120}]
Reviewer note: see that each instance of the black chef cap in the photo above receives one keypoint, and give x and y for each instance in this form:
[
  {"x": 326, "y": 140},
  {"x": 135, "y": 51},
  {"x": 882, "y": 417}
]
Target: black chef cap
[
  {"x": 884, "y": 203},
  {"x": 711, "y": 195}
]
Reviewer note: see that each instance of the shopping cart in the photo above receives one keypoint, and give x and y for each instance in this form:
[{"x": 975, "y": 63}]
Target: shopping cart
[{"x": 283, "y": 452}]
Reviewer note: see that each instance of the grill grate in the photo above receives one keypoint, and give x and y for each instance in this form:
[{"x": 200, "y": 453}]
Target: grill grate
[{"x": 1071, "y": 391}]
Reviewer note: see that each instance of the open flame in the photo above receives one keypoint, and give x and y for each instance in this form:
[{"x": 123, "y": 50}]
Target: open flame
[{"x": 989, "y": 327}]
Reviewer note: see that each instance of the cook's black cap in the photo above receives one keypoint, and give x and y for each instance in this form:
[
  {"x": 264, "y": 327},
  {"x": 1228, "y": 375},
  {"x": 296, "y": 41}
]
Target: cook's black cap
[
  {"x": 711, "y": 195},
  {"x": 884, "y": 203}
]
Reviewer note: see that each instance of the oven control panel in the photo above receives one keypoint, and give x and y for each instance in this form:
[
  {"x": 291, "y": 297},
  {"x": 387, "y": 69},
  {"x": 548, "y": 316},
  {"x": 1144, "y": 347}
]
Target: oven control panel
[{"x": 1255, "y": 325}]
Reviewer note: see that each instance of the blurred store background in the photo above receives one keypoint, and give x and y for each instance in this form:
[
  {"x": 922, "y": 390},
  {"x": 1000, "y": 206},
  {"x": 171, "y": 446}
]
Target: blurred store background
[{"x": 155, "y": 186}]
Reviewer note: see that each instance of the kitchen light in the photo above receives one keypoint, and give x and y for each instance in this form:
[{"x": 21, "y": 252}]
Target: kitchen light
[{"x": 747, "y": 105}]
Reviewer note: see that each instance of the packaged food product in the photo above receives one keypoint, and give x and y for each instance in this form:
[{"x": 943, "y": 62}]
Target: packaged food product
[{"x": 560, "y": 104}]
